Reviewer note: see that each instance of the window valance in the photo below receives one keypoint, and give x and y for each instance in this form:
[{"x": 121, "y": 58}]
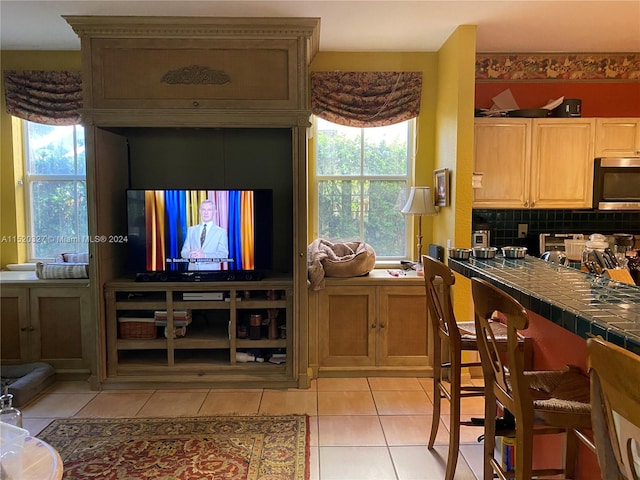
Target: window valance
[
  {"x": 366, "y": 99},
  {"x": 49, "y": 97}
]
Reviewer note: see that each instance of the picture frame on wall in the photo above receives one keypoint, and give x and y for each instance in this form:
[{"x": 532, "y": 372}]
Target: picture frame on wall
[{"x": 441, "y": 186}]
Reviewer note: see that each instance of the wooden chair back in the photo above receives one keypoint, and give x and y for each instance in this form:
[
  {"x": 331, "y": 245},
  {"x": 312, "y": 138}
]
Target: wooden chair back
[
  {"x": 615, "y": 399},
  {"x": 440, "y": 308},
  {"x": 503, "y": 372}
]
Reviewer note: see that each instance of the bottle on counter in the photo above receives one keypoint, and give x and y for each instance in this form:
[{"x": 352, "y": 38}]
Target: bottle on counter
[{"x": 8, "y": 413}]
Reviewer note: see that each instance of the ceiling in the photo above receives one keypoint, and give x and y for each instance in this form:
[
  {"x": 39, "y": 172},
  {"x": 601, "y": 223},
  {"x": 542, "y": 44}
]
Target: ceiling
[{"x": 507, "y": 26}]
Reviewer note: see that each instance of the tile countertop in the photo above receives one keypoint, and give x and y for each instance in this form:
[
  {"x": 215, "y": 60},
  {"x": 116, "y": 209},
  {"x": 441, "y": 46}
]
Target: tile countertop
[{"x": 583, "y": 303}]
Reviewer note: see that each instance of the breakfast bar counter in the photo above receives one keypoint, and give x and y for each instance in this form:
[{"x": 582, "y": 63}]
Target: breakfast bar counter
[{"x": 582, "y": 303}]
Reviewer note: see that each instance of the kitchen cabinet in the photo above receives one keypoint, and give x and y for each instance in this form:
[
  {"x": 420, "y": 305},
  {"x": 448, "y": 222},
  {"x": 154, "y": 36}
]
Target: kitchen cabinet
[
  {"x": 48, "y": 323},
  {"x": 534, "y": 163},
  {"x": 370, "y": 326},
  {"x": 617, "y": 137}
]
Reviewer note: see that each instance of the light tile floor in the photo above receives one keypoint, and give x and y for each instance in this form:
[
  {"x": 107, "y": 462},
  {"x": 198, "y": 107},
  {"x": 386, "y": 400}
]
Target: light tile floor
[{"x": 361, "y": 428}]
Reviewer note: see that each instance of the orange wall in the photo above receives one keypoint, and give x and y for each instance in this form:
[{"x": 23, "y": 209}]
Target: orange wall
[{"x": 599, "y": 99}]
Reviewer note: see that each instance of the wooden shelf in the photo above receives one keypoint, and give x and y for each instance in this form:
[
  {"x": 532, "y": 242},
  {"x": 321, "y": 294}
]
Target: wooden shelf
[{"x": 209, "y": 346}]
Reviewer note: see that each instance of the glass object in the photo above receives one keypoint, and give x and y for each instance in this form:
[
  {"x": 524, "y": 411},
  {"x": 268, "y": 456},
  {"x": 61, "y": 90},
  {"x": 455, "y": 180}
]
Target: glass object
[
  {"x": 594, "y": 259},
  {"x": 8, "y": 413}
]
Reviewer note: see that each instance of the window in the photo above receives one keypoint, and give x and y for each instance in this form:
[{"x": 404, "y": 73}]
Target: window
[
  {"x": 363, "y": 176},
  {"x": 56, "y": 190}
]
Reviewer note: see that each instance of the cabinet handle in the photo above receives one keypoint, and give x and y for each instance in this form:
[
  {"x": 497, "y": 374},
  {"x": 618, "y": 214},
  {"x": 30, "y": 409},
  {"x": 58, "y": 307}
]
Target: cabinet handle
[
  {"x": 23, "y": 329},
  {"x": 373, "y": 325},
  {"x": 382, "y": 325},
  {"x": 31, "y": 329},
  {"x": 533, "y": 204},
  {"x": 196, "y": 104},
  {"x": 526, "y": 204}
]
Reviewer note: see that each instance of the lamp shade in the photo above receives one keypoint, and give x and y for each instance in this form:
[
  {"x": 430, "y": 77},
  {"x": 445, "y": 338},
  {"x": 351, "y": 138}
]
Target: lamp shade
[{"x": 420, "y": 202}]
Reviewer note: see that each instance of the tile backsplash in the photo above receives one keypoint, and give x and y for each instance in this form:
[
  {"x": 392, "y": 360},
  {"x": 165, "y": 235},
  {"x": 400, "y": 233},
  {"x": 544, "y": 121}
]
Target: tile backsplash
[{"x": 504, "y": 223}]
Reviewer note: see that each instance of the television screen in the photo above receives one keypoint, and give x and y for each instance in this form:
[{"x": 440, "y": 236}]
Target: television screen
[{"x": 199, "y": 230}]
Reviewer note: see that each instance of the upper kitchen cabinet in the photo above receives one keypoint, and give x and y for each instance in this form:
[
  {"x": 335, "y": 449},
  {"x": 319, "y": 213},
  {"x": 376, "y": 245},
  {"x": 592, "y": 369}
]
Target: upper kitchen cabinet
[
  {"x": 617, "y": 137},
  {"x": 155, "y": 71},
  {"x": 503, "y": 156},
  {"x": 534, "y": 163}
]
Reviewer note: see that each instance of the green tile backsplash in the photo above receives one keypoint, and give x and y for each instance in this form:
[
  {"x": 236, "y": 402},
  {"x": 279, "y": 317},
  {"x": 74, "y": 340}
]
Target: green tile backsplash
[{"x": 504, "y": 223}]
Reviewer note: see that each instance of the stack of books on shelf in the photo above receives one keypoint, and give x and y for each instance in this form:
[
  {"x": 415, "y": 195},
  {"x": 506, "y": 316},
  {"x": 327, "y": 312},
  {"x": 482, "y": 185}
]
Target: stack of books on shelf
[{"x": 181, "y": 318}]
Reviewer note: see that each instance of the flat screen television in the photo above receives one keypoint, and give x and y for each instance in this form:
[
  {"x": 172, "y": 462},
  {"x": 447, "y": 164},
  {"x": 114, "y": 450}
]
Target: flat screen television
[{"x": 200, "y": 234}]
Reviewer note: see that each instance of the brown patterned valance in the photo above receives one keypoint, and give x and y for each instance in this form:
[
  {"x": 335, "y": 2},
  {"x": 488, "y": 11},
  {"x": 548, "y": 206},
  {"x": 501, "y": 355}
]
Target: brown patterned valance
[
  {"x": 560, "y": 66},
  {"x": 49, "y": 97},
  {"x": 366, "y": 99}
]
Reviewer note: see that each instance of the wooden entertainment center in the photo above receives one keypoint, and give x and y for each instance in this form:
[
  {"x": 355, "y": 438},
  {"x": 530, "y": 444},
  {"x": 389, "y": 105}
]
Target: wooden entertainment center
[{"x": 202, "y": 103}]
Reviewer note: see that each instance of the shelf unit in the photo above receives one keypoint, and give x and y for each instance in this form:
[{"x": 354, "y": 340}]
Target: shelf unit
[
  {"x": 145, "y": 130},
  {"x": 207, "y": 352}
]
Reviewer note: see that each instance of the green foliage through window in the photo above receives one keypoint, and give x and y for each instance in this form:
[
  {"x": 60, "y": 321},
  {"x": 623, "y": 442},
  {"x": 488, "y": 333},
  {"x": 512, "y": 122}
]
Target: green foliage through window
[
  {"x": 363, "y": 177},
  {"x": 56, "y": 190}
]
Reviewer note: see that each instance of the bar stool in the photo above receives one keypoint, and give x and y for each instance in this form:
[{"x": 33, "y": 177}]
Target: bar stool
[
  {"x": 615, "y": 377},
  {"x": 456, "y": 337},
  {"x": 542, "y": 402}
]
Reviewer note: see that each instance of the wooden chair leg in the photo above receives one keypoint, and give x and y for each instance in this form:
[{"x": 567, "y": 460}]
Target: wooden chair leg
[
  {"x": 570, "y": 454},
  {"x": 489, "y": 433},
  {"x": 454, "y": 417},
  {"x": 437, "y": 395},
  {"x": 524, "y": 448}
]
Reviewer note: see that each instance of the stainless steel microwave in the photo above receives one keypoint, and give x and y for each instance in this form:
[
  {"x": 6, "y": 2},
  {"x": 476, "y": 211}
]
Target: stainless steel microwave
[{"x": 616, "y": 183}]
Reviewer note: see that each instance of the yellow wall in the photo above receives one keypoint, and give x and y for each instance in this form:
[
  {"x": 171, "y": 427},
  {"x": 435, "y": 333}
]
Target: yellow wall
[
  {"x": 454, "y": 147},
  {"x": 427, "y": 63},
  {"x": 11, "y": 196}
]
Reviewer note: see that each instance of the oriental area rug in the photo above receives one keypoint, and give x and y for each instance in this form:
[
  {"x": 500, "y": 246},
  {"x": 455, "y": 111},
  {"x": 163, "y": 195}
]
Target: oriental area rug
[{"x": 182, "y": 448}]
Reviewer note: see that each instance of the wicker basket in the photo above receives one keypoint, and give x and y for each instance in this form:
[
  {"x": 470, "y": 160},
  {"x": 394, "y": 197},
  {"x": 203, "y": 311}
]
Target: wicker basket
[{"x": 137, "y": 328}]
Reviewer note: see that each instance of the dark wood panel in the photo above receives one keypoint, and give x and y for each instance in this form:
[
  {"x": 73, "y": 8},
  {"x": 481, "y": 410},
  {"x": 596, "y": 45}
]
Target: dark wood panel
[{"x": 10, "y": 328}]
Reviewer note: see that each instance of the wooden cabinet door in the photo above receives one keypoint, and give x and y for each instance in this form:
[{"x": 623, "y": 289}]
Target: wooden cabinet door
[
  {"x": 14, "y": 325},
  {"x": 59, "y": 336},
  {"x": 346, "y": 327},
  {"x": 403, "y": 338},
  {"x": 562, "y": 163},
  {"x": 502, "y": 155},
  {"x": 617, "y": 137}
]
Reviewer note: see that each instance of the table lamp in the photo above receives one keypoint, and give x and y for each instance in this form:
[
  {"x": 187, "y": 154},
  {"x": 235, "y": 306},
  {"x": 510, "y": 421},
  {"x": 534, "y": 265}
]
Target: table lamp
[{"x": 420, "y": 203}]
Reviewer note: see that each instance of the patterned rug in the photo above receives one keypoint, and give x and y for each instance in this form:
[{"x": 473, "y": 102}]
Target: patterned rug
[{"x": 191, "y": 448}]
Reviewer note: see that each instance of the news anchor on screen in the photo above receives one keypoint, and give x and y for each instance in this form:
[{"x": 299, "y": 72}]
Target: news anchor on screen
[{"x": 205, "y": 240}]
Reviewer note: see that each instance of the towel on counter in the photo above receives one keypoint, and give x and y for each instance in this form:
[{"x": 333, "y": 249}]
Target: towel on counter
[{"x": 349, "y": 259}]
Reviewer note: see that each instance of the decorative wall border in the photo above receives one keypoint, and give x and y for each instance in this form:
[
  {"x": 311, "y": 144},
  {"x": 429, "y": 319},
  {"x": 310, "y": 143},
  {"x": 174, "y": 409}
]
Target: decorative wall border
[{"x": 561, "y": 67}]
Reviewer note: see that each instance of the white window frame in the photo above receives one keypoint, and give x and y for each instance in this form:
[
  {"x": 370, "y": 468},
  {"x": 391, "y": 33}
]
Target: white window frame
[
  {"x": 29, "y": 179},
  {"x": 407, "y": 178}
]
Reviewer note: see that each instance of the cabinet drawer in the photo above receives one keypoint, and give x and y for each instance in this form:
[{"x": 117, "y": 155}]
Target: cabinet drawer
[{"x": 193, "y": 73}]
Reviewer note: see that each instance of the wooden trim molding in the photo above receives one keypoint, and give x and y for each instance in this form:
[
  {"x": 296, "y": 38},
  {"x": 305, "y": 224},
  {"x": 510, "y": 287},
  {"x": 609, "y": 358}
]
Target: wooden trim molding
[{"x": 181, "y": 27}]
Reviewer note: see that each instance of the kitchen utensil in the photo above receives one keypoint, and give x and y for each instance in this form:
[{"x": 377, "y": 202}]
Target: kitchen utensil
[
  {"x": 459, "y": 253},
  {"x": 610, "y": 258},
  {"x": 514, "y": 252},
  {"x": 555, "y": 256},
  {"x": 570, "y": 107},
  {"x": 574, "y": 248},
  {"x": 529, "y": 113},
  {"x": 484, "y": 252}
]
